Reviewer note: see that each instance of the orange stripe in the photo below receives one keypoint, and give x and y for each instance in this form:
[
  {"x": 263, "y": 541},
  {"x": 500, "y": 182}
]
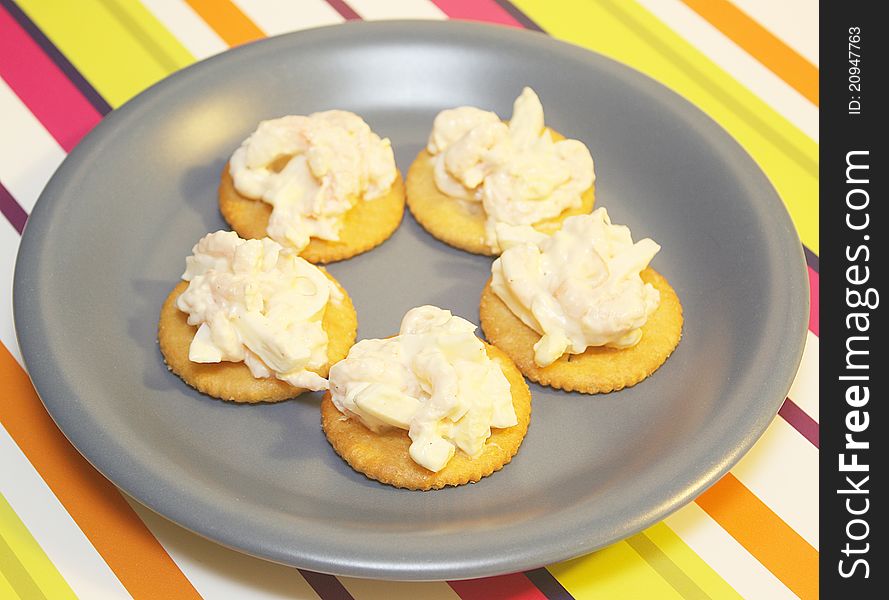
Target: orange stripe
[
  {"x": 133, "y": 553},
  {"x": 769, "y": 539},
  {"x": 227, "y": 21},
  {"x": 760, "y": 43}
]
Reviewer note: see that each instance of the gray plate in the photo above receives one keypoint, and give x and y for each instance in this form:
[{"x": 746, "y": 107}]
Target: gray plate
[{"x": 108, "y": 239}]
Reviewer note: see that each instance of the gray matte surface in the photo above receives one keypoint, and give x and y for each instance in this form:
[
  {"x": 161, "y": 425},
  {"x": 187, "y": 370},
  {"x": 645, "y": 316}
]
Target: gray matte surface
[{"x": 108, "y": 238}]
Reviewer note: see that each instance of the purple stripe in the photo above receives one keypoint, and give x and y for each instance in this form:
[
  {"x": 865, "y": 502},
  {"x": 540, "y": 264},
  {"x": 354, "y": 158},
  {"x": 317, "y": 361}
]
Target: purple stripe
[
  {"x": 548, "y": 585},
  {"x": 12, "y": 210},
  {"x": 519, "y": 16},
  {"x": 73, "y": 75},
  {"x": 811, "y": 259},
  {"x": 327, "y": 587},
  {"x": 802, "y": 422}
]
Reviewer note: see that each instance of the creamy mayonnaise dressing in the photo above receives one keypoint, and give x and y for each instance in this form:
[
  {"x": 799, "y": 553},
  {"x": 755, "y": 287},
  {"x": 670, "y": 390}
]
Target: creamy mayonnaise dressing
[
  {"x": 579, "y": 287},
  {"x": 257, "y": 302},
  {"x": 331, "y": 160},
  {"x": 434, "y": 379},
  {"x": 516, "y": 171}
]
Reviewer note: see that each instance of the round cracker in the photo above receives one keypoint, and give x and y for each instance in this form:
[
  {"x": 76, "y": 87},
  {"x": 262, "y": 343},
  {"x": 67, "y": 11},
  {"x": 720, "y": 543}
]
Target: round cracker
[
  {"x": 233, "y": 381},
  {"x": 368, "y": 224},
  {"x": 460, "y": 223},
  {"x": 598, "y": 369},
  {"x": 385, "y": 456}
]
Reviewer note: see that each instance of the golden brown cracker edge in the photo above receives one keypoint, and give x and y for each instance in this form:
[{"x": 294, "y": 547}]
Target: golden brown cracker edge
[
  {"x": 460, "y": 223},
  {"x": 597, "y": 370},
  {"x": 233, "y": 381},
  {"x": 385, "y": 456},
  {"x": 367, "y": 225}
]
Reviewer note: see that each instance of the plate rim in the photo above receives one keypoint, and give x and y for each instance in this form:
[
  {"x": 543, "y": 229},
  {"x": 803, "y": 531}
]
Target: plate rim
[{"x": 23, "y": 312}]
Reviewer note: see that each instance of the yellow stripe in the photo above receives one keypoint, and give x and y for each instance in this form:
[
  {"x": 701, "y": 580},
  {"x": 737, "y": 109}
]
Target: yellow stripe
[
  {"x": 6, "y": 589},
  {"x": 690, "y": 563},
  {"x": 117, "y": 45},
  {"x": 666, "y": 568},
  {"x": 29, "y": 556},
  {"x": 627, "y": 32},
  {"x": 17, "y": 575},
  {"x": 615, "y": 572}
]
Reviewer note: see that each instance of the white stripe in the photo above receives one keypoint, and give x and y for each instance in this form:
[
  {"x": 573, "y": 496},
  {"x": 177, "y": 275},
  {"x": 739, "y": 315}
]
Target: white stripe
[
  {"x": 733, "y": 59},
  {"x": 804, "y": 391},
  {"x": 187, "y": 26},
  {"x": 725, "y": 555},
  {"x": 782, "y": 470},
  {"x": 28, "y": 153},
  {"x": 794, "y": 22},
  {"x": 396, "y": 9},
  {"x": 217, "y": 572},
  {"x": 275, "y": 17},
  {"x": 9, "y": 245},
  {"x": 371, "y": 589},
  {"x": 53, "y": 528}
]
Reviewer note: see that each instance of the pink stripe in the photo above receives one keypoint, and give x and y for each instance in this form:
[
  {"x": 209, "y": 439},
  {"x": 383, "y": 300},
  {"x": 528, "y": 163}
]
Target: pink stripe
[
  {"x": 813, "y": 300},
  {"x": 477, "y": 10},
  {"x": 502, "y": 587},
  {"x": 42, "y": 86}
]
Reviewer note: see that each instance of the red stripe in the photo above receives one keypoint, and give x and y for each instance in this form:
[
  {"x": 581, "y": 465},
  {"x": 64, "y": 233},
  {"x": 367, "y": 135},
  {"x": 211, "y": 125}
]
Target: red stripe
[
  {"x": 813, "y": 301},
  {"x": 42, "y": 86},
  {"x": 502, "y": 587},
  {"x": 487, "y": 11}
]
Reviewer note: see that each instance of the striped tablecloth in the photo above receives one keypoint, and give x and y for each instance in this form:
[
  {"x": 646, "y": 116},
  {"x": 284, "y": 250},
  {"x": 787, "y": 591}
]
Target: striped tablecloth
[{"x": 65, "y": 531}]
